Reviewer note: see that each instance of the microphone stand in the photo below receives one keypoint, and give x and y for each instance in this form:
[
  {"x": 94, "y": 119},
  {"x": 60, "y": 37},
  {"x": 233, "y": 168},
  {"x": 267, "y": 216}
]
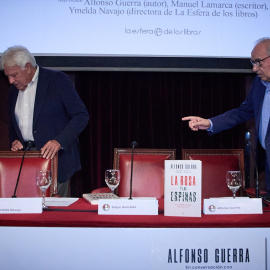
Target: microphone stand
[
  {"x": 27, "y": 148},
  {"x": 257, "y": 188},
  {"x": 133, "y": 144},
  {"x": 247, "y": 159}
]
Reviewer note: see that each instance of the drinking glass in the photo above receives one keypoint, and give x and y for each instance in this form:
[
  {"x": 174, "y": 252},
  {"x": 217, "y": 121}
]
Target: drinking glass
[
  {"x": 112, "y": 179},
  {"x": 234, "y": 181},
  {"x": 43, "y": 179}
]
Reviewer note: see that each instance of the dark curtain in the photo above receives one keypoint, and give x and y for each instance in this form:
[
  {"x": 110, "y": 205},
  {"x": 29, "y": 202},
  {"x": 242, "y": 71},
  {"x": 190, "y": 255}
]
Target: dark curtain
[
  {"x": 146, "y": 107},
  {"x": 4, "y": 86}
]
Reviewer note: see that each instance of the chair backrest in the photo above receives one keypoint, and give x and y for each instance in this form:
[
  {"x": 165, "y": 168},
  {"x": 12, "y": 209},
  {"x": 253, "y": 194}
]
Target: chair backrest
[
  {"x": 215, "y": 164},
  {"x": 148, "y": 171},
  {"x": 10, "y": 162}
]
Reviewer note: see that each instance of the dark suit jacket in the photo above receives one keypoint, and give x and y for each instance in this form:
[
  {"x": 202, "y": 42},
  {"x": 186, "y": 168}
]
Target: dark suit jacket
[
  {"x": 251, "y": 107},
  {"x": 59, "y": 114}
]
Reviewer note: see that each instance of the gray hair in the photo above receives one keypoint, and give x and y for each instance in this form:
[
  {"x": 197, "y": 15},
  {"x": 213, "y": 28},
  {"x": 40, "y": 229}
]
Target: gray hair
[
  {"x": 17, "y": 56},
  {"x": 265, "y": 40}
]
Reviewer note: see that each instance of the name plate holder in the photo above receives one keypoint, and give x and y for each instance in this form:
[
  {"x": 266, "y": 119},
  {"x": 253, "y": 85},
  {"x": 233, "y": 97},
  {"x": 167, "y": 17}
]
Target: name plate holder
[
  {"x": 229, "y": 206},
  {"x": 126, "y": 206},
  {"x": 20, "y": 205}
]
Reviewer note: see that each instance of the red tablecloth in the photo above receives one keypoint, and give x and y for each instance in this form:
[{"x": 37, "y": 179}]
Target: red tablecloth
[{"x": 87, "y": 216}]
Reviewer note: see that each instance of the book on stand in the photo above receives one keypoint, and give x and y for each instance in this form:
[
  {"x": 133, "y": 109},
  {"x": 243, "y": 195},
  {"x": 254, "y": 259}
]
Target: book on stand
[{"x": 182, "y": 190}]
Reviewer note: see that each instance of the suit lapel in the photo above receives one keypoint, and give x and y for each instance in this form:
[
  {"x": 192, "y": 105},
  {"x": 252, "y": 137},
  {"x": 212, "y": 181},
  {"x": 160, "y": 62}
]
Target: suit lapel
[
  {"x": 267, "y": 132},
  {"x": 259, "y": 92},
  {"x": 42, "y": 87}
]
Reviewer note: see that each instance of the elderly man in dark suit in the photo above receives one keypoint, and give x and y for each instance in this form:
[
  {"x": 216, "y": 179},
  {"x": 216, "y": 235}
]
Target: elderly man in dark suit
[
  {"x": 256, "y": 105},
  {"x": 45, "y": 109}
]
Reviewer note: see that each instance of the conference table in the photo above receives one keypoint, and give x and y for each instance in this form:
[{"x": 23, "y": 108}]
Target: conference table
[{"x": 77, "y": 237}]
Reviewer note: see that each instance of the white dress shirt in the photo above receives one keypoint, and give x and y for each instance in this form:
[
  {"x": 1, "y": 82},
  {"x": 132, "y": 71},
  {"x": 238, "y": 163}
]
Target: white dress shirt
[{"x": 24, "y": 109}]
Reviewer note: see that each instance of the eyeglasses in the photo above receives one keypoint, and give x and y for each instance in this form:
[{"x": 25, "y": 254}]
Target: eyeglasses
[{"x": 258, "y": 62}]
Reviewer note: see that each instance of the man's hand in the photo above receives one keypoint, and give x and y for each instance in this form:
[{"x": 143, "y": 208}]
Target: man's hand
[
  {"x": 50, "y": 149},
  {"x": 16, "y": 145},
  {"x": 195, "y": 123}
]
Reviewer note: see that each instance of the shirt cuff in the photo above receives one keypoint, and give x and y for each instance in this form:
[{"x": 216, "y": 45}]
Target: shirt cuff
[{"x": 211, "y": 127}]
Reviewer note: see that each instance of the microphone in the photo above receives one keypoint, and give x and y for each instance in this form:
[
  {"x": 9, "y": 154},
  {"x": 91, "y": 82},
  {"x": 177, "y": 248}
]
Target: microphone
[
  {"x": 257, "y": 188},
  {"x": 133, "y": 145},
  {"x": 29, "y": 145}
]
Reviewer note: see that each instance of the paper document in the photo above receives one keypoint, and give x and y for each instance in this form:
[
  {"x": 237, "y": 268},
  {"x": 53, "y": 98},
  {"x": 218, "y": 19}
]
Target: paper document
[{"x": 58, "y": 201}]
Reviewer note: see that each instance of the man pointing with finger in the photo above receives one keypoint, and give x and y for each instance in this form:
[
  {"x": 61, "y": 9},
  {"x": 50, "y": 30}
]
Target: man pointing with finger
[
  {"x": 256, "y": 105},
  {"x": 45, "y": 110}
]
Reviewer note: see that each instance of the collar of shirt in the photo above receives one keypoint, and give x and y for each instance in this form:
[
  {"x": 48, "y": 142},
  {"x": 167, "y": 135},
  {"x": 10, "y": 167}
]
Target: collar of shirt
[
  {"x": 35, "y": 77},
  {"x": 267, "y": 85}
]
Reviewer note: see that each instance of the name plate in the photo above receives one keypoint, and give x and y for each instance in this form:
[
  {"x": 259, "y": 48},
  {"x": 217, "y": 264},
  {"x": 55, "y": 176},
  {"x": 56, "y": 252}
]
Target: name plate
[
  {"x": 223, "y": 206},
  {"x": 20, "y": 205},
  {"x": 124, "y": 206}
]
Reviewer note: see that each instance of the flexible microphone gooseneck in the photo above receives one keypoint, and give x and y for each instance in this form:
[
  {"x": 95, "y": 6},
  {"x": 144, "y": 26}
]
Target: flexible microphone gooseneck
[
  {"x": 257, "y": 188},
  {"x": 133, "y": 145},
  {"x": 29, "y": 145}
]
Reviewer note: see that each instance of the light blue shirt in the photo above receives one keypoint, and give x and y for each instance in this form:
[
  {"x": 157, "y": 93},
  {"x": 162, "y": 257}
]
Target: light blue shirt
[{"x": 265, "y": 114}]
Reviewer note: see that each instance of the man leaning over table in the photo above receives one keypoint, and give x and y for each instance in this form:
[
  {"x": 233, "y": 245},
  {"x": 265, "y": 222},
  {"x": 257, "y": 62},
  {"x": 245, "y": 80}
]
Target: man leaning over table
[
  {"x": 44, "y": 108},
  {"x": 256, "y": 105}
]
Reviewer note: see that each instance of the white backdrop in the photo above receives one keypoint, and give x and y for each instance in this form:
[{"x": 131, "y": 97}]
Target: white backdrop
[
  {"x": 214, "y": 28},
  {"x": 133, "y": 248}
]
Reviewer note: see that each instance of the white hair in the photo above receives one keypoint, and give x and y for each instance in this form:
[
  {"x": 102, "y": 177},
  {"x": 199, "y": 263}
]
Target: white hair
[{"x": 17, "y": 56}]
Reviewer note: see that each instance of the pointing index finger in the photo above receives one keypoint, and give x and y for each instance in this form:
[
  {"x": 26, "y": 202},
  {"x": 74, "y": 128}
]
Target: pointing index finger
[{"x": 188, "y": 118}]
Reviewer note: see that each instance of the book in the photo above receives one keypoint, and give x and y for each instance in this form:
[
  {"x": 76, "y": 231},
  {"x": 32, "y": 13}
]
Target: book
[
  {"x": 94, "y": 197},
  {"x": 182, "y": 188}
]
